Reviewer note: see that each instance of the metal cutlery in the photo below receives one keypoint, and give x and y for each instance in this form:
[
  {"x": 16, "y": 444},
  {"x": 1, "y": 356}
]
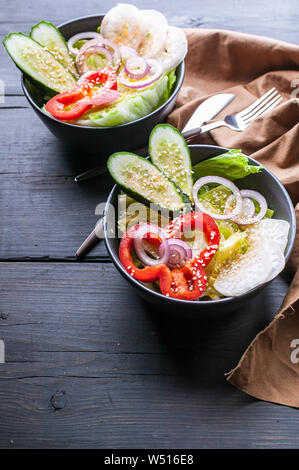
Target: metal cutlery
[{"x": 239, "y": 121}]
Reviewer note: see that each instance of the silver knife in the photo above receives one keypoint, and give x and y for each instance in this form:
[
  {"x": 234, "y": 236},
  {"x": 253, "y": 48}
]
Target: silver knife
[{"x": 206, "y": 111}]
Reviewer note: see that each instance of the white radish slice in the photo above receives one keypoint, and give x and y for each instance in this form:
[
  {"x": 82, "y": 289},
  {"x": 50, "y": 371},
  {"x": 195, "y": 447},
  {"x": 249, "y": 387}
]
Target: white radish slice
[
  {"x": 276, "y": 230},
  {"x": 124, "y": 25},
  {"x": 277, "y": 260},
  {"x": 251, "y": 269},
  {"x": 175, "y": 50},
  {"x": 154, "y": 40}
]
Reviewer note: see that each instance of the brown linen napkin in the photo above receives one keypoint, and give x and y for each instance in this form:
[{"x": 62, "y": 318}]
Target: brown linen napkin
[{"x": 248, "y": 66}]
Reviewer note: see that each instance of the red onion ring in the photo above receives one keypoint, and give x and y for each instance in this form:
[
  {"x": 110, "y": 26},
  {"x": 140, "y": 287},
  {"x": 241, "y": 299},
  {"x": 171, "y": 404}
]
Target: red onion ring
[
  {"x": 179, "y": 253},
  {"x": 78, "y": 37},
  {"x": 142, "y": 230},
  {"x": 115, "y": 53},
  {"x": 248, "y": 208},
  {"x": 155, "y": 72},
  {"x": 127, "y": 52},
  {"x": 97, "y": 41},
  {"x": 100, "y": 42},
  {"x": 82, "y": 59},
  {"x": 248, "y": 193},
  {"x": 225, "y": 182},
  {"x": 136, "y": 68}
]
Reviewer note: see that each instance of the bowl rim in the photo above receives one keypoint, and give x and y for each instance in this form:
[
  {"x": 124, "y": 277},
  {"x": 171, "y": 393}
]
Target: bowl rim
[
  {"x": 173, "y": 95},
  {"x": 225, "y": 300}
]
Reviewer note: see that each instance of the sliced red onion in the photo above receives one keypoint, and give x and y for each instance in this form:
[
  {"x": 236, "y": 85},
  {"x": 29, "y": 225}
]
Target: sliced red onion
[
  {"x": 115, "y": 52},
  {"x": 79, "y": 37},
  {"x": 224, "y": 182},
  {"x": 179, "y": 253},
  {"x": 246, "y": 220},
  {"x": 109, "y": 46},
  {"x": 155, "y": 72},
  {"x": 97, "y": 41},
  {"x": 136, "y": 68},
  {"x": 139, "y": 234},
  {"x": 127, "y": 52},
  {"x": 82, "y": 60}
]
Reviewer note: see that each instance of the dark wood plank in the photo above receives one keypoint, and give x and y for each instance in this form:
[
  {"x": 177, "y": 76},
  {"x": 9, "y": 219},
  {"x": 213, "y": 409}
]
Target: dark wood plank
[
  {"x": 91, "y": 308},
  {"x": 44, "y": 213},
  {"x": 31, "y": 149},
  {"x": 123, "y": 374},
  {"x": 138, "y": 412},
  {"x": 48, "y": 217}
]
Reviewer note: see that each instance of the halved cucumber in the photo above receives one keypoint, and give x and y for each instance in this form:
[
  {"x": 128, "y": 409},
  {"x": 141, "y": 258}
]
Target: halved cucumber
[
  {"x": 38, "y": 64},
  {"x": 50, "y": 37},
  {"x": 144, "y": 182},
  {"x": 169, "y": 152}
]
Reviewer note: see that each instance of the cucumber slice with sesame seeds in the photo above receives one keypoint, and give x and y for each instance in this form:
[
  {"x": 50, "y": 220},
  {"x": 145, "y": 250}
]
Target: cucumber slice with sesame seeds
[
  {"x": 50, "y": 37},
  {"x": 144, "y": 182},
  {"x": 39, "y": 65},
  {"x": 170, "y": 153}
]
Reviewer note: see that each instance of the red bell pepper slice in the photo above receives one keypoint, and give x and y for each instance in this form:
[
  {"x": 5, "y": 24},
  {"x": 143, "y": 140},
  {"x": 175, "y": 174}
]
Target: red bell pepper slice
[
  {"x": 198, "y": 221},
  {"x": 183, "y": 283},
  {"x": 187, "y": 283},
  {"x": 147, "y": 274},
  {"x": 104, "y": 76},
  {"x": 58, "y": 105},
  {"x": 70, "y": 105}
]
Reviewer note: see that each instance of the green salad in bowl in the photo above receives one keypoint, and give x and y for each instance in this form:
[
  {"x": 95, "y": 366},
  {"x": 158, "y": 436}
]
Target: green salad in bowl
[{"x": 118, "y": 73}]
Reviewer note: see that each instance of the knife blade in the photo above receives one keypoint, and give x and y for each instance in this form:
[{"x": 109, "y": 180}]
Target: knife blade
[{"x": 206, "y": 111}]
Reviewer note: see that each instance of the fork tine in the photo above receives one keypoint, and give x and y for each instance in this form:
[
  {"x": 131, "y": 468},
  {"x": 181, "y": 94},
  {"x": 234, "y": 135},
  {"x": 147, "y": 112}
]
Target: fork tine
[
  {"x": 259, "y": 106},
  {"x": 256, "y": 103},
  {"x": 266, "y": 108}
]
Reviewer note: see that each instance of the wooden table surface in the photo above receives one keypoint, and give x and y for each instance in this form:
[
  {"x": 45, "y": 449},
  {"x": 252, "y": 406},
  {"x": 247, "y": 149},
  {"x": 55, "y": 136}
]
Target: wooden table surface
[{"x": 88, "y": 363}]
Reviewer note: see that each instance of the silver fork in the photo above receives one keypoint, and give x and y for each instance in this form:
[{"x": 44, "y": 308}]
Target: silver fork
[{"x": 239, "y": 121}]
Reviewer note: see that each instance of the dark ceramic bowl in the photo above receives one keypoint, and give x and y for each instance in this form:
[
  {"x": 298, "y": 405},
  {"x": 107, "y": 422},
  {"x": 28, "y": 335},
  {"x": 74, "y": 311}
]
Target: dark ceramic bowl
[
  {"x": 101, "y": 141},
  {"x": 278, "y": 199}
]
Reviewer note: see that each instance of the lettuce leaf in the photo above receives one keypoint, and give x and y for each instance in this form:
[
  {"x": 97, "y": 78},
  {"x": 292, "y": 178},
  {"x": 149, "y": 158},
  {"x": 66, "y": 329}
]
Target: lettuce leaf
[
  {"x": 132, "y": 106},
  {"x": 231, "y": 165}
]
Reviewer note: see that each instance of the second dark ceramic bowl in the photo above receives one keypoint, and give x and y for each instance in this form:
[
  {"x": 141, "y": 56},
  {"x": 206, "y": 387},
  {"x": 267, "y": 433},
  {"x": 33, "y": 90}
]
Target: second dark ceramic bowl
[
  {"x": 101, "y": 141},
  {"x": 278, "y": 199}
]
